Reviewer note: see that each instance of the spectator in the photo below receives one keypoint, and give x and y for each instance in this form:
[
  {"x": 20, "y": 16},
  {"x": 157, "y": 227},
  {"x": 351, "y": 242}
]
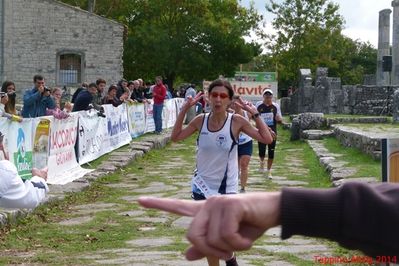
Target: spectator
[
  {"x": 111, "y": 98},
  {"x": 15, "y": 193},
  {"x": 147, "y": 90},
  {"x": 84, "y": 86},
  {"x": 121, "y": 88},
  {"x": 97, "y": 98},
  {"x": 57, "y": 112},
  {"x": 3, "y": 113},
  {"x": 350, "y": 215},
  {"x": 37, "y": 100},
  {"x": 85, "y": 98},
  {"x": 137, "y": 94},
  {"x": 9, "y": 88},
  {"x": 158, "y": 94}
]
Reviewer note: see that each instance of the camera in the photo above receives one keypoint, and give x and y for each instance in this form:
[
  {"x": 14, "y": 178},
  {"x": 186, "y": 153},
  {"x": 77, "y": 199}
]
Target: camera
[
  {"x": 47, "y": 89},
  {"x": 12, "y": 95},
  {"x": 2, "y": 94},
  {"x": 101, "y": 112}
]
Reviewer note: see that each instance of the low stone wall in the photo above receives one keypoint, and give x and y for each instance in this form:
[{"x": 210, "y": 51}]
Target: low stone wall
[
  {"x": 328, "y": 96},
  {"x": 366, "y": 144}
]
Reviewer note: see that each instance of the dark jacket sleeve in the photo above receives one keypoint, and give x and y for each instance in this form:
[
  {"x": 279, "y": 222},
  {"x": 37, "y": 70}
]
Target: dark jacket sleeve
[
  {"x": 356, "y": 215},
  {"x": 82, "y": 101}
]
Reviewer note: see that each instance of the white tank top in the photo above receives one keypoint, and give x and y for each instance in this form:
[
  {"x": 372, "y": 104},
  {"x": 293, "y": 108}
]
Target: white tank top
[
  {"x": 217, "y": 158},
  {"x": 244, "y": 138}
]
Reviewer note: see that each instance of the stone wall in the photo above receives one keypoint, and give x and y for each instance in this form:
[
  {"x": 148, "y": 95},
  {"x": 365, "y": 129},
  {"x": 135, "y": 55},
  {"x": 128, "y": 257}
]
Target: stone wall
[
  {"x": 366, "y": 144},
  {"x": 329, "y": 97},
  {"x": 368, "y": 100},
  {"x": 36, "y": 31}
]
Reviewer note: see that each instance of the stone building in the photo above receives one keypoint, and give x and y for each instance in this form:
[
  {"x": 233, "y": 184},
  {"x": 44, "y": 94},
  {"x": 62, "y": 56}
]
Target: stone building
[{"x": 65, "y": 44}]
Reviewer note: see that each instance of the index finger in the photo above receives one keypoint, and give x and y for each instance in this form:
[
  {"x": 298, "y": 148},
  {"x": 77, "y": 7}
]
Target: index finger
[{"x": 180, "y": 207}]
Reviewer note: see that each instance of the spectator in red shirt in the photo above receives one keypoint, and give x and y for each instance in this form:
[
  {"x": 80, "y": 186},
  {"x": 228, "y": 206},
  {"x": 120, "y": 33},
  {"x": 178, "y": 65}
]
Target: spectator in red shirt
[{"x": 158, "y": 95}]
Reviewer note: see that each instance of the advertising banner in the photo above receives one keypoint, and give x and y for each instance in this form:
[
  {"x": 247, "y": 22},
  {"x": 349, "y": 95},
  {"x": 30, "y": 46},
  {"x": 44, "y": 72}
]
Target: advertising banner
[
  {"x": 92, "y": 130},
  {"x": 136, "y": 115},
  {"x": 149, "y": 118},
  {"x": 62, "y": 164},
  {"x": 170, "y": 113},
  {"x": 117, "y": 133},
  {"x": 41, "y": 141},
  {"x": 21, "y": 147}
]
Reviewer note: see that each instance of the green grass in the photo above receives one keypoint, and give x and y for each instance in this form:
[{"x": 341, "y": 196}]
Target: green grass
[
  {"x": 366, "y": 165},
  {"x": 55, "y": 244},
  {"x": 351, "y": 116},
  {"x": 374, "y": 127},
  {"x": 287, "y": 150}
]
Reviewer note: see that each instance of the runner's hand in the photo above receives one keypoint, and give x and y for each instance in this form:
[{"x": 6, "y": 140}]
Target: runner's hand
[
  {"x": 223, "y": 224},
  {"x": 190, "y": 102},
  {"x": 247, "y": 106}
]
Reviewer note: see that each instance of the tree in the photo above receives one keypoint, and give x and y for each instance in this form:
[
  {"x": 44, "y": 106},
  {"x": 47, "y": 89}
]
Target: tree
[
  {"x": 188, "y": 39},
  {"x": 305, "y": 30}
]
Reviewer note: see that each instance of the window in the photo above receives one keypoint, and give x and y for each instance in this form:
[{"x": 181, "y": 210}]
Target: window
[{"x": 70, "y": 68}]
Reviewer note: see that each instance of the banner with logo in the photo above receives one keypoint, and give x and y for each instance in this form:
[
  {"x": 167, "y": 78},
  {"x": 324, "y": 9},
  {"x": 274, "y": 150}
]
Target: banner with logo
[
  {"x": 62, "y": 164},
  {"x": 41, "y": 129},
  {"x": 92, "y": 130},
  {"x": 117, "y": 133},
  {"x": 136, "y": 115},
  {"x": 21, "y": 147},
  {"x": 4, "y": 148},
  {"x": 390, "y": 160},
  {"x": 169, "y": 112},
  {"x": 149, "y": 118},
  {"x": 250, "y": 85},
  {"x": 179, "y": 103}
]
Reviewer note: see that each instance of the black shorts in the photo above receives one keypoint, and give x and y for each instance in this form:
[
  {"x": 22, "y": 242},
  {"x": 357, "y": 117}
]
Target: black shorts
[
  {"x": 270, "y": 151},
  {"x": 197, "y": 196},
  {"x": 245, "y": 149}
]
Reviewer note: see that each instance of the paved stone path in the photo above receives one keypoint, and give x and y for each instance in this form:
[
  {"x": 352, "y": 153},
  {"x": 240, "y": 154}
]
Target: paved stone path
[
  {"x": 158, "y": 238},
  {"x": 152, "y": 247}
]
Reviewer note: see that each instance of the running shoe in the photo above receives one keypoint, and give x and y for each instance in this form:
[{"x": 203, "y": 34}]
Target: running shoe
[{"x": 269, "y": 174}]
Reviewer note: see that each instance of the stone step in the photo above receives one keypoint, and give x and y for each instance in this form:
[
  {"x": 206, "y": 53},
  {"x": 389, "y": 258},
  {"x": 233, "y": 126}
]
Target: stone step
[{"x": 315, "y": 134}]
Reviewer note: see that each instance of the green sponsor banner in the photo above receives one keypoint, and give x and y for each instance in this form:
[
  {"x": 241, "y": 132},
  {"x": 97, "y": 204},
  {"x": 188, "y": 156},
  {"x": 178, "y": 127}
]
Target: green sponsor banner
[
  {"x": 23, "y": 162},
  {"x": 254, "y": 76}
]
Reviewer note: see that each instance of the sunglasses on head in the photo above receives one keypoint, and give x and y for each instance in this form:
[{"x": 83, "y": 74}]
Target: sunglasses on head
[{"x": 221, "y": 95}]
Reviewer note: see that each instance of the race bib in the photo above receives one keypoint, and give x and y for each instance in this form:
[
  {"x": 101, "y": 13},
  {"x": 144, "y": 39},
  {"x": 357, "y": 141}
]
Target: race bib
[
  {"x": 201, "y": 185},
  {"x": 268, "y": 118}
]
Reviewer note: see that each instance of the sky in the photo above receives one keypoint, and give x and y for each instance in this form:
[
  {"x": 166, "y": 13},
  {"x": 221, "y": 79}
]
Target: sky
[{"x": 361, "y": 17}]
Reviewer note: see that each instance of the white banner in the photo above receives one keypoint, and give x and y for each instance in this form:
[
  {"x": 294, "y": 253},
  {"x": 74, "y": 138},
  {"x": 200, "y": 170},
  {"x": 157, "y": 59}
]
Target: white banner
[
  {"x": 136, "y": 115},
  {"x": 41, "y": 141},
  {"x": 62, "y": 164},
  {"x": 92, "y": 131},
  {"x": 170, "y": 113},
  {"x": 117, "y": 133},
  {"x": 16, "y": 145},
  {"x": 149, "y": 118},
  {"x": 251, "y": 90}
]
